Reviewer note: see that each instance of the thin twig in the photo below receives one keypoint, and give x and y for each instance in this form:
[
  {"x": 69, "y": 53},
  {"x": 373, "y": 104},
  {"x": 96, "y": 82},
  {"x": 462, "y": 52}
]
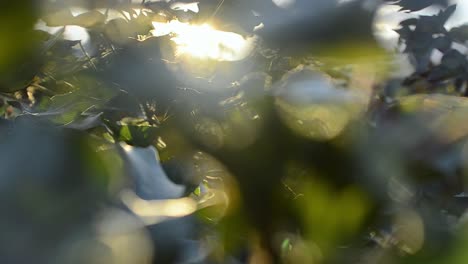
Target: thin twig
[
  {"x": 218, "y": 7},
  {"x": 87, "y": 56}
]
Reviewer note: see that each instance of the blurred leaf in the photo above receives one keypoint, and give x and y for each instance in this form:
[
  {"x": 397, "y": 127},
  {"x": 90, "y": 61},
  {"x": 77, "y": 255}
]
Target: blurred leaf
[
  {"x": 122, "y": 105},
  {"x": 319, "y": 29},
  {"x": 446, "y": 13},
  {"x": 63, "y": 109},
  {"x": 59, "y": 18},
  {"x": 312, "y": 105},
  {"x": 429, "y": 33},
  {"x": 415, "y": 5},
  {"x": 122, "y": 31},
  {"x": 331, "y": 217},
  {"x": 87, "y": 122},
  {"x": 87, "y": 92},
  {"x": 16, "y": 43},
  {"x": 445, "y": 113},
  {"x": 156, "y": 211},
  {"x": 150, "y": 181},
  {"x": 460, "y": 33},
  {"x": 53, "y": 186},
  {"x": 90, "y": 19},
  {"x": 65, "y": 17}
]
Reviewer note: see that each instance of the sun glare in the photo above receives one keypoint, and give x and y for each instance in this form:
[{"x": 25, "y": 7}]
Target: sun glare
[{"x": 205, "y": 42}]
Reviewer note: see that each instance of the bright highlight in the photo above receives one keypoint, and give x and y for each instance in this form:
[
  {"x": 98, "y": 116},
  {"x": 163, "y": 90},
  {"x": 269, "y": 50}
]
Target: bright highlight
[{"x": 205, "y": 42}]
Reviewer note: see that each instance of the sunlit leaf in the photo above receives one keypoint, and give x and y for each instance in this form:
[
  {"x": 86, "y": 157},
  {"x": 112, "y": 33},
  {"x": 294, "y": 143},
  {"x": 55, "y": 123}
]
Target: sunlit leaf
[
  {"x": 445, "y": 114},
  {"x": 313, "y": 106}
]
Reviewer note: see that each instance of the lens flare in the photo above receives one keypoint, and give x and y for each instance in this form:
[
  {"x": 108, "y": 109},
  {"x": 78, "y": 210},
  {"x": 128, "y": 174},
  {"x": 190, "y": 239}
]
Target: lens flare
[{"x": 205, "y": 42}]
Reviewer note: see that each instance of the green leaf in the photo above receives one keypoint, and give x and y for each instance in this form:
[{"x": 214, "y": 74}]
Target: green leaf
[
  {"x": 138, "y": 135},
  {"x": 87, "y": 122}
]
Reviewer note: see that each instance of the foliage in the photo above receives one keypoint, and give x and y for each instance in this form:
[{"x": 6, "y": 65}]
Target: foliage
[{"x": 119, "y": 148}]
